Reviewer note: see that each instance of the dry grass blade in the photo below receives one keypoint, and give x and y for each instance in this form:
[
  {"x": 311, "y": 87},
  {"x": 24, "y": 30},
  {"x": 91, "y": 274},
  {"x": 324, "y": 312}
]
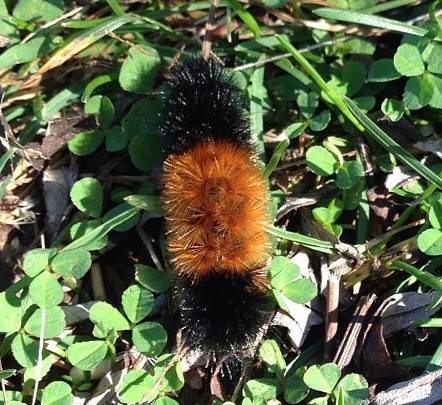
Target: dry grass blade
[{"x": 86, "y": 39}]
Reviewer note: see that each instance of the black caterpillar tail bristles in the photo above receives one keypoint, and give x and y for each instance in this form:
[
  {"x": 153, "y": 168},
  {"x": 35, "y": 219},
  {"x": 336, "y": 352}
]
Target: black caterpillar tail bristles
[{"x": 222, "y": 314}]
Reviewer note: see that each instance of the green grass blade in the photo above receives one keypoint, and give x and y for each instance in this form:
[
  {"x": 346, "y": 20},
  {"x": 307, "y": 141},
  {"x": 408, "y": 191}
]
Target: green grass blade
[
  {"x": 436, "y": 360},
  {"x": 426, "y": 278},
  {"x": 415, "y": 361},
  {"x": 119, "y": 12},
  {"x": 145, "y": 202},
  {"x": 83, "y": 25},
  {"x": 430, "y": 323},
  {"x": 7, "y": 155},
  {"x": 116, "y": 8},
  {"x": 182, "y": 8},
  {"x": 392, "y": 146},
  {"x": 245, "y": 16},
  {"x": 3, "y": 185},
  {"x": 436, "y": 25},
  {"x": 364, "y": 218},
  {"x": 92, "y": 35},
  {"x": 336, "y": 99},
  {"x": 101, "y": 230},
  {"x": 307, "y": 241},
  {"x": 85, "y": 39},
  {"x": 256, "y": 110},
  {"x": 357, "y": 17},
  {"x": 389, "y": 5},
  {"x": 276, "y": 157}
]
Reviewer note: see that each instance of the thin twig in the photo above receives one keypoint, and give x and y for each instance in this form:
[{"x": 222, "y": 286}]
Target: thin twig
[
  {"x": 210, "y": 26},
  {"x": 347, "y": 347},
  {"x": 287, "y": 55},
  {"x": 145, "y": 239},
  {"x": 331, "y": 314}
]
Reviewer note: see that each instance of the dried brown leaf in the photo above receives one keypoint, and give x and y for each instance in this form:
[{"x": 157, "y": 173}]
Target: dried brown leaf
[
  {"x": 406, "y": 308},
  {"x": 423, "y": 390},
  {"x": 57, "y": 184},
  {"x": 61, "y": 130}
]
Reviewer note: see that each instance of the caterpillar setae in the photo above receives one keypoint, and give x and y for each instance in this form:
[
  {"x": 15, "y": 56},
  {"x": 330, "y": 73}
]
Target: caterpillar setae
[{"x": 215, "y": 200}]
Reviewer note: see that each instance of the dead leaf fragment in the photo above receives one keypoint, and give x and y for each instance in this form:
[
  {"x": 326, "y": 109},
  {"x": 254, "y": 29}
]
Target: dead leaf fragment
[
  {"x": 394, "y": 315},
  {"x": 403, "y": 131},
  {"x": 77, "y": 313},
  {"x": 298, "y": 322},
  {"x": 377, "y": 360},
  {"x": 383, "y": 205},
  {"x": 423, "y": 390},
  {"x": 61, "y": 130},
  {"x": 57, "y": 184},
  {"x": 4, "y": 41},
  {"x": 405, "y": 309}
]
